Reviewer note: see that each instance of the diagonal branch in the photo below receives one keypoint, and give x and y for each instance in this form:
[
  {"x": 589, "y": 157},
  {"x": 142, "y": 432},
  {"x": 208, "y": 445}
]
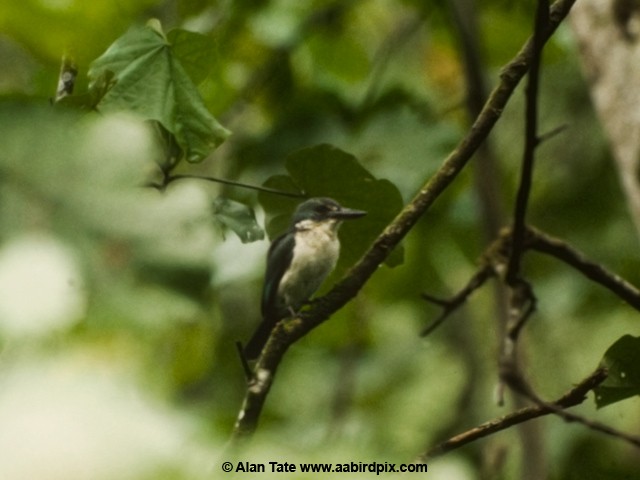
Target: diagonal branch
[
  {"x": 289, "y": 331},
  {"x": 573, "y": 397},
  {"x": 451, "y": 304},
  {"x": 544, "y": 243},
  {"x": 590, "y": 424}
]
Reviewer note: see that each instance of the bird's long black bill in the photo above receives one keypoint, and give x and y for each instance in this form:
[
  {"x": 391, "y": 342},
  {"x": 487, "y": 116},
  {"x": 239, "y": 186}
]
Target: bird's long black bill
[{"x": 348, "y": 214}]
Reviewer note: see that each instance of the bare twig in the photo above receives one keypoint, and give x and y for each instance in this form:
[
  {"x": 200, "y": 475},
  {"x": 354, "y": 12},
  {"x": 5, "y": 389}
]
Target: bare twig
[
  {"x": 544, "y": 243},
  {"x": 172, "y": 178},
  {"x": 590, "y": 424},
  {"x": 531, "y": 142},
  {"x": 522, "y": 300},
  {"x": 541, "y": 242},
  {"x": 543, "y": 137},
  {"x": 573, "y": 397},
  {"x": 289, "y": 331},
  {"x": 451, "y": 304}
]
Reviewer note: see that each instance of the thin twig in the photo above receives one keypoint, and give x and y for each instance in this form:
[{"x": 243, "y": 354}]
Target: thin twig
[
  {"x": 451, "y": 304},
  {"x": 543, "y": 137},
  {"x": 544, "y": 243},
  {"x": 531, "y": 142},
  {"x": 172, "y": 178},
  {"x": 522, "y": 301},
  {"x": 573, "y": 397},
  {"x": 590, "y": 424}
]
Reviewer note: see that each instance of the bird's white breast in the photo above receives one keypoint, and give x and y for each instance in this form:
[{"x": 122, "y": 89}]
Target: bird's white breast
[{"x": 314, "y": 256}]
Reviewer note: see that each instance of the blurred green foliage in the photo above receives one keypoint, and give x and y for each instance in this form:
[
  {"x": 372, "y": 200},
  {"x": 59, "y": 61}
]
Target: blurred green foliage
[{"x": 120, "y": 303}]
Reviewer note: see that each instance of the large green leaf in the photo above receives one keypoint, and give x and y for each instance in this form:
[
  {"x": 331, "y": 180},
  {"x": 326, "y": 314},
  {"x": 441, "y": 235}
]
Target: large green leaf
[
  {"x": 622, "y": 360},
  {"x": 150, "y": 81},
  {"x": 195, "y": 51},
  {"x": 326, "y": 171}
]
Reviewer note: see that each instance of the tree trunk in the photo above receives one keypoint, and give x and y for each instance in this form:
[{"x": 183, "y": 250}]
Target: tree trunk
[{"x": 607, "y": 35}]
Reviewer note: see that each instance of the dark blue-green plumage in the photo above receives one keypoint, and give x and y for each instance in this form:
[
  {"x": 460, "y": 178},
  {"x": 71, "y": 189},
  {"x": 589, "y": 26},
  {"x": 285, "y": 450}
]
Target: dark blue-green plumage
[{"x": 278, "y": 261}]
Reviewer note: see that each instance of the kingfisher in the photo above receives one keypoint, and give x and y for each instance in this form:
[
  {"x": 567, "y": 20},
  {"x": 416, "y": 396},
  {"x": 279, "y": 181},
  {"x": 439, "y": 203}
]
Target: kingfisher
[{"x": 298, "y": 262}]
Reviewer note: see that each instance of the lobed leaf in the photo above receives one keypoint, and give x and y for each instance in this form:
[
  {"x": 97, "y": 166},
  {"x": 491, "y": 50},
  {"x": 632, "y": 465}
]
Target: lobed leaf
[
  {"x": 151, "y": 82},
  {"x": 327, "y": 171}
]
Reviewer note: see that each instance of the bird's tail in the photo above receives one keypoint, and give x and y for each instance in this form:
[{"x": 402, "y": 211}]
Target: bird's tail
[{"x": 258, "y": 340}]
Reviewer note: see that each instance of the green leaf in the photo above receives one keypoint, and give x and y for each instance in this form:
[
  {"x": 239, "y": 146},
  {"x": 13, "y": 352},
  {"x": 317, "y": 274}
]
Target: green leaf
[
  {"x": 326, "y": 171},
  {"x": 622, "y": 360},
  {"x": 239, "y": 218},
  {"x": 151, "y": 82},
  {"x": 196, "y": 52}
]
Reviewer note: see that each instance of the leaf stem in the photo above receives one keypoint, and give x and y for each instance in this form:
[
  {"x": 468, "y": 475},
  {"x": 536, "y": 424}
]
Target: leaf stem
[{"x": 173, "y": 178}]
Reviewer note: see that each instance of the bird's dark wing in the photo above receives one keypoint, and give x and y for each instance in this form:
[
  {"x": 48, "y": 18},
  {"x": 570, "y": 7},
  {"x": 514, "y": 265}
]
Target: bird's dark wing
[{"x": 278, "y": 261}]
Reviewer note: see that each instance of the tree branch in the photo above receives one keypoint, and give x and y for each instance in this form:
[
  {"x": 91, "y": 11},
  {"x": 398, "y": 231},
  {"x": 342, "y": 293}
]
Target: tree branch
[
  {"x": 494, "y": 257},
  {"x": 288, "y": 331},
  {"x": 451, "y": 304},
  {"x": 544, "y": 243},
  {"x": 539, "y": 241},
  {"x": 573, "y": 397},
  {"x": 522, "y": 301},
  {"x": 590, "y": 424},
  {"x": 531, "y": 142}
]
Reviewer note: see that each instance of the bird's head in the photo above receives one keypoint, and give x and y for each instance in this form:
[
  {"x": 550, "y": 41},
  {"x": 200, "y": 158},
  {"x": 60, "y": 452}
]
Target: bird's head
[{"x": 323, "y": 209}]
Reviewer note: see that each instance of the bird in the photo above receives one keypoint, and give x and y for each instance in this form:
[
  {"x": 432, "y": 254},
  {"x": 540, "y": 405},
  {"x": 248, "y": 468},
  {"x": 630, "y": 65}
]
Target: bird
[{"x": 298, "y": 262}]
